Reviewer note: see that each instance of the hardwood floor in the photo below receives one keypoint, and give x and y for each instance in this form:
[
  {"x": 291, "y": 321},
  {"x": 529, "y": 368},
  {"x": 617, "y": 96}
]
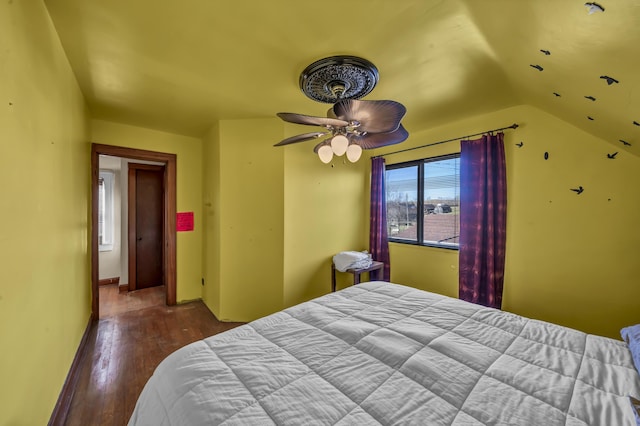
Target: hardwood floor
[
  {"x": 113, "y": 303},
  {"x": 135, "y": 332}
]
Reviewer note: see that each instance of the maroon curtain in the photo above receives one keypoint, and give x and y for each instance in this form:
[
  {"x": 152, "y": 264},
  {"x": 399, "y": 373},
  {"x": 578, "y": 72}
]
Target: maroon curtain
[
  {"x": 483, "y": 218},
  {"x": 378, "y": 243}
]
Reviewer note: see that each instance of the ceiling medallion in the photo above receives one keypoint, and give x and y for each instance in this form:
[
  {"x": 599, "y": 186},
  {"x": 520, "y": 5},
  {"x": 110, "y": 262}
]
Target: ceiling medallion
[{"x": 338, "y": 78}]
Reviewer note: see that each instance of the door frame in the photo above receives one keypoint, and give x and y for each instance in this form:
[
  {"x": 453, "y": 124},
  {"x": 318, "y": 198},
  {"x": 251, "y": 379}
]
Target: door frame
[
  {"x": 132, "y": 223},
  {"x": 170, "y": 210}
]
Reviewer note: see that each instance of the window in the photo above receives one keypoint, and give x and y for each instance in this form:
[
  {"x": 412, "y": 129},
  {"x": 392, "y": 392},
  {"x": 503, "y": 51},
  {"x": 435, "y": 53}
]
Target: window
[
  {"x": 432, "y": 187},
  {"x": 105, "y": 211}
]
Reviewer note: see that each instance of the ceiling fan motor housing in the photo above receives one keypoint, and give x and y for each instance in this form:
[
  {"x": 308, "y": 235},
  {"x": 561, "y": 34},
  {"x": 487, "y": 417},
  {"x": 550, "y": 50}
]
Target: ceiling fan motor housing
[{"x": 336, "y": 78}]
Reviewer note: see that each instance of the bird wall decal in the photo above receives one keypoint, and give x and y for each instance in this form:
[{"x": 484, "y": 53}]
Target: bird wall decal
[
  {"x": 593, "y": 7},
  {"x": 578, "y": 190},
  {"x": 557, "y": 95},
  {"x": 538, "y": 67},
  {"x": 636, "y": 123},
  {"x": 625, "y": 143},
  {"x": 590, "y": 118},
  {"x": 612, "y": 156},
  {"x": 546, "y": 52},
  {"x": 519, "y": 145},
  {"x": 610, "y": 80},
  {"x": 591, "y": 98}
]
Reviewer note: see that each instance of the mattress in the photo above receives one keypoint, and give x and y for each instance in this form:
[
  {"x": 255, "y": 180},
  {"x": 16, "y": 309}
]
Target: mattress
[{"x": 386, "y": 354}]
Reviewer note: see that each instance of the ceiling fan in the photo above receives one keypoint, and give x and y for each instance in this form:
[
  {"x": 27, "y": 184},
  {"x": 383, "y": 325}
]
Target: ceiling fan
[{"x": 351, "y": 124}]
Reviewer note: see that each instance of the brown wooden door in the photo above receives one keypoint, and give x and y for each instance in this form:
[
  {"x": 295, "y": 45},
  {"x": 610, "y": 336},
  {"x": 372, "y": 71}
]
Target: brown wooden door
[{"x": 146, "y": 225}]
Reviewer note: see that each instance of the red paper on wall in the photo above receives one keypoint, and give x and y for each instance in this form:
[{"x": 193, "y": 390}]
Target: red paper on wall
[{"x": 184, "y": 222}]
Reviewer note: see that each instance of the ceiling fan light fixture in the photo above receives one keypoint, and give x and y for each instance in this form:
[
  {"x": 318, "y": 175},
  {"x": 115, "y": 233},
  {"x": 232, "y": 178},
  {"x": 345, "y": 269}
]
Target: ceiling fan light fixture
[
  {"x": 354, "y": 152},
  {"x": 325, "y": 153},
  {"x": 339, "y": 144}
]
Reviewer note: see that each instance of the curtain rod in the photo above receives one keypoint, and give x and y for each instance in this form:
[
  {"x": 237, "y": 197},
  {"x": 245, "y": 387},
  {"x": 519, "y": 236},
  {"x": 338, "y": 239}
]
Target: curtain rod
[{"x": 513, "y": 126}]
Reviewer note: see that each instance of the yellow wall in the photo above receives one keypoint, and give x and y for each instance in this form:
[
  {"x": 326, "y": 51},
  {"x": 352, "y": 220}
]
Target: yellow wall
[
  {"x": 245, "y": 192},
  {"x": 211, "y": 213},
  {"x": 571, "y": 259},
  {"x": 189, "y": 191},
  {"x": 274, "y": 217},
  {"x": 324, "y": 209},
  {"x": 44, "y": 170}
]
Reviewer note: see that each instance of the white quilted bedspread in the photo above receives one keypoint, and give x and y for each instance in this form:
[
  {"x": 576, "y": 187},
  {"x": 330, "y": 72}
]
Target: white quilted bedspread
[{"x": 380, "y": 353}]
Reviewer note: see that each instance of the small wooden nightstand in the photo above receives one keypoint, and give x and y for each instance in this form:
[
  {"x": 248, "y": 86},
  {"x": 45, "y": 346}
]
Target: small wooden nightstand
[{"x": 375, "y": 268}]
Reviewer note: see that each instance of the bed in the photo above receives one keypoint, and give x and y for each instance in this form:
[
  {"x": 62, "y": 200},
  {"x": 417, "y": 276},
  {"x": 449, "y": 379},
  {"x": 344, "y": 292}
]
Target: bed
[{"x": 386, "y": 354}]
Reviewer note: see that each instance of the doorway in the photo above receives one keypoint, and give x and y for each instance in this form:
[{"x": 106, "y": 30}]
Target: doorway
[
  {"x": 167, "y": 220},
  {"x": 146, "y": 230}
]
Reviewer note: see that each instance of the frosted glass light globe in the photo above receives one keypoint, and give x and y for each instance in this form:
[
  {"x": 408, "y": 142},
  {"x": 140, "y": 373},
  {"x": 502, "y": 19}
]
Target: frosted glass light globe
[
  {"x": 339, "y": 144},
  {"x": 325, "y": 153},
  {"x": 354, "y": 152}
]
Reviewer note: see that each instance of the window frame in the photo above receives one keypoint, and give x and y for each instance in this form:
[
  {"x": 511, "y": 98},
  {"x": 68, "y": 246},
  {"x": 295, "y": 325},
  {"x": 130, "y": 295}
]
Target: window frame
[
  {"x": 107, "y": 225},
  {"x": 420, "y": 163}
]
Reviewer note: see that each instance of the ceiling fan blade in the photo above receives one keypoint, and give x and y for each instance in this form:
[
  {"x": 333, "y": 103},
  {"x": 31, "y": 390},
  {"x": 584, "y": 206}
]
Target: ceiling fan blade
[
  {"x": 301, "y": 138},
  {"x": 310, "y": 120},
  {"x": 378, "y": 140},
  {"x": 374, "y": 116}
]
